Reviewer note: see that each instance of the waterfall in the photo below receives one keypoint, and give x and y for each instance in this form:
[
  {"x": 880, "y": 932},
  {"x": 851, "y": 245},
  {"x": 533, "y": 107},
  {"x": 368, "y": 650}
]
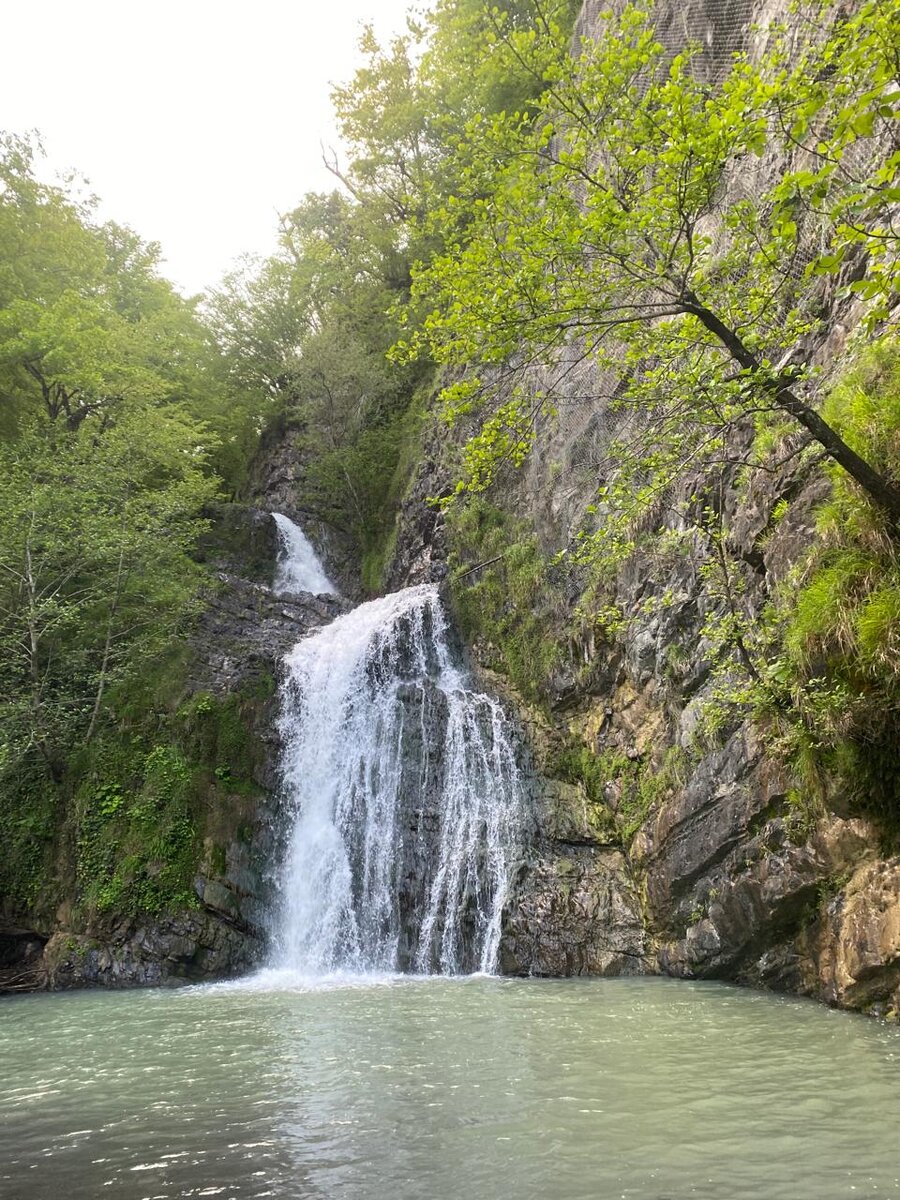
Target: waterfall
[
  {"x": 405, "y": 799},
  {"x": 297, "y": 569}
]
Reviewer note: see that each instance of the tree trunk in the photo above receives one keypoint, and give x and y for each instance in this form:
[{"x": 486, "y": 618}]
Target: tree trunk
[
  {"x": 883, "y": 493},
  {"x": 107, "y": 646},
  {"x": 39, "y": 733}
]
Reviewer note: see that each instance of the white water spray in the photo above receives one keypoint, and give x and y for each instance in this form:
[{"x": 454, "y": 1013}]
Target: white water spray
[
  {"x": 405, "y": 794},
  {"x": 297, "y": 568}
]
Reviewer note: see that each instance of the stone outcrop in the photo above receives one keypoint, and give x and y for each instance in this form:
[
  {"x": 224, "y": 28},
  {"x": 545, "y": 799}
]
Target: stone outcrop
[
  {"x": 851, "y": 953},
  {"x": 575, "y": 911},
  {"x": 189, "y": 947},
  {"x": 575, "y": 907},
  {"x": 276, "y": 485}
]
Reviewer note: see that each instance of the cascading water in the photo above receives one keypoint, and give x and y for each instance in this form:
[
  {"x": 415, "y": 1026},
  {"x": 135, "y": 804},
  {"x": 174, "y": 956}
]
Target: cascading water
[
  {"x": 406, "y": 799},
  {"x": 297, "y": 569}
]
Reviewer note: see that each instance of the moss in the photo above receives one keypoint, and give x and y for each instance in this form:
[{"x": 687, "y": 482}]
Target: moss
[
  {"x": 136, "y": 839},
  {"x": 577, "y": 765},
  {"x": 646, "y": 786},
  {"x": 505, "y": 605},
  {"x": 640, "y": 785},
  {"x": 832, "y": 702},
  {"x": 145, "y": 704},
  {"x": 375, "y": 562},
  {"x": 217, "y": 860},
  {"x": 217, "y": 734},
  {"x": 236, "y": 537},
  {"x": 30, "y": 813},
  {"x": 141, "y": 805}
]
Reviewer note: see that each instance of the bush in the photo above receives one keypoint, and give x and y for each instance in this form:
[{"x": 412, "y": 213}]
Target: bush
[{"x": 838, "y": 715}]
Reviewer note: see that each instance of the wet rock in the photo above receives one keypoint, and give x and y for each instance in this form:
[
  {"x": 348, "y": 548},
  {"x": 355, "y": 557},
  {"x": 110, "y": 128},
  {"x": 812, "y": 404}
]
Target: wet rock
[
  {"x": 188, "y": 947},
  {"x": 854, "y": 950},
  {"x": 701, "y": 825},
  {"x": 276, "y": 482},
  {"x": 246, "y": 630},
  {"x": 575, "y": 912},
  {"x": 564, "y": 814},
  {"x": 21, "y": 953},
  {"x": 241, "y": 539},
  {"x": 751, "y": 914},
  {"x": 420, "y": 552}
]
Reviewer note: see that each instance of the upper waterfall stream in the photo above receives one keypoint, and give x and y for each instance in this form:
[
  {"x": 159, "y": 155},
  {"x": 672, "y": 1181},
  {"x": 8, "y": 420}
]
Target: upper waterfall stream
[
  {"x": 405, "y": 798},
  {"x": 297, "y": 568}
]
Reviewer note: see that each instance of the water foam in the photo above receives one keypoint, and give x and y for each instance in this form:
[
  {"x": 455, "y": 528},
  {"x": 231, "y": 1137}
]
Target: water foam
[{"x": 405, "y": 794}]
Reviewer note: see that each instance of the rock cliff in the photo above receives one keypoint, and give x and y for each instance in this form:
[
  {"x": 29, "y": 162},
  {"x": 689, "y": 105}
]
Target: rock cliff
[{"x": 734, "y": 881}]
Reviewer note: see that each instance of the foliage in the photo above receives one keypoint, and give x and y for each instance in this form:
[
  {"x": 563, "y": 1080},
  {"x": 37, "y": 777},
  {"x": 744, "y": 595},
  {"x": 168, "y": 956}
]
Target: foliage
[
  {"x": 30, "y": 816},
  {"x": 310, "y": 327},
  {"x": 88, "y": 328},
  {"x": 818, "y": 666},
  {"x": 831, "y": 693},
  {"x": 637, "y": 784},
  {"x": 136, "y": 844},
  {"x": 144, "y": 795},
  {"x": 117, "y": 408},
  {"x": 503, "y": 603},
  {"x": 575, "y": 764},
  {"x": 603, "y": 227},
  {"x": 96, "y": 527},
  {"x": 405, "y": 113}
]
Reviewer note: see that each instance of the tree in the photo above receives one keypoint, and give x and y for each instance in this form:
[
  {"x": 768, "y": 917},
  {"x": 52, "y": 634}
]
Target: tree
[
  {"x": 311, "y": 326},
  {"x": 111, "y": 393},
  {"x": 95, "y": 575},
  {"x": 607, "y": 228},
  {"x": 406, "y": 111},
  {"x": 87, "y": 324}
]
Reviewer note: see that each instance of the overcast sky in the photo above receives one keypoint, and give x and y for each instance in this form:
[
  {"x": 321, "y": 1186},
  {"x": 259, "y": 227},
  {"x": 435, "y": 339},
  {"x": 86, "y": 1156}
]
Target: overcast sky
[{"x": 196, "y": 121}]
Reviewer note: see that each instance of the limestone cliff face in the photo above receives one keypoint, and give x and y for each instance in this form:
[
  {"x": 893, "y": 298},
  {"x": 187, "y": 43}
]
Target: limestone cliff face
[
  {"x": 276, "y": 476},
  {"x": 732, "y": 885}
]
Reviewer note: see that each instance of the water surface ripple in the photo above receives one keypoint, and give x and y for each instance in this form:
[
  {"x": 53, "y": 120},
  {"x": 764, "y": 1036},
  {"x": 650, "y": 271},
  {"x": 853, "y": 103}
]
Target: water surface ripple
[{"x": 480, "y": 1088}]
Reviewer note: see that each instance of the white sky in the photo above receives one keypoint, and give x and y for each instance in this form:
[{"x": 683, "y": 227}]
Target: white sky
[{"x": 196, "y": 121}]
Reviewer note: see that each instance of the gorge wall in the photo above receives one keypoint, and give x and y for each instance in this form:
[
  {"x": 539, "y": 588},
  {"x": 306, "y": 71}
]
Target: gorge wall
[{"x": 744, "y": 872}]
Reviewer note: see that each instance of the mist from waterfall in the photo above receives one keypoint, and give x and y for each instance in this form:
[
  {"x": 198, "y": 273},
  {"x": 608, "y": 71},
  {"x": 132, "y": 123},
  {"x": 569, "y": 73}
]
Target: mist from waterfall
[{"x": 404, "y": 794}]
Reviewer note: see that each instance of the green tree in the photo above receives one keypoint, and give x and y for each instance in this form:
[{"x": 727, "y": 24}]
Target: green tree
[
  {"x": 89, "y": 327},
  {"x": 113, "y": 403},
  {"x": 606, "y": 228},
  {"x": 405, "y": 113},
  {"x": 96, "y": 530},
  {"x": 311, "y": 326}
]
